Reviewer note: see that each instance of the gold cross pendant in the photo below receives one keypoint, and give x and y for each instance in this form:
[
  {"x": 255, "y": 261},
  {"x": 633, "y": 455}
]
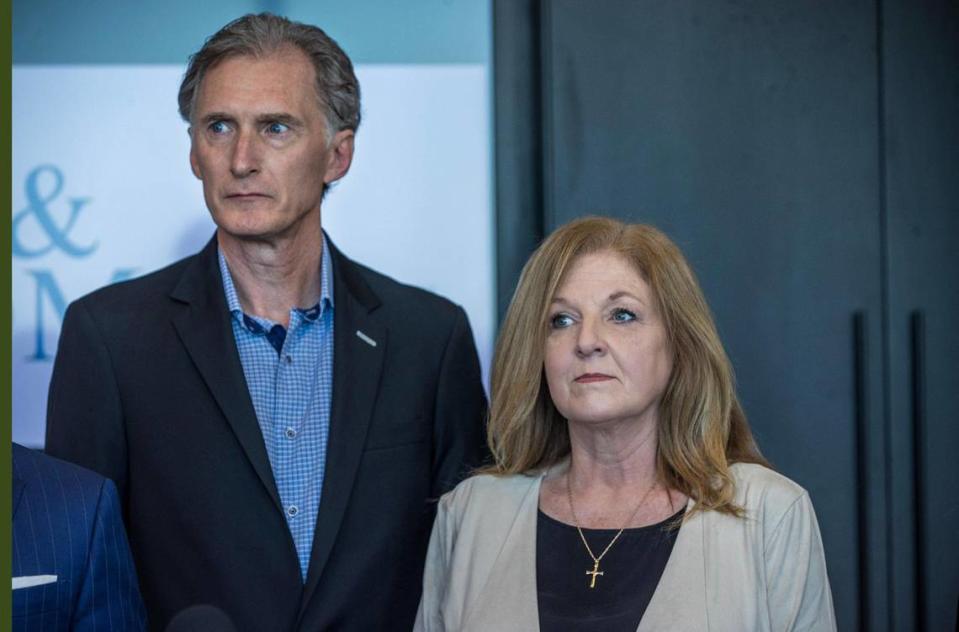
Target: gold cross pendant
[{"x": 594, "y": 573}]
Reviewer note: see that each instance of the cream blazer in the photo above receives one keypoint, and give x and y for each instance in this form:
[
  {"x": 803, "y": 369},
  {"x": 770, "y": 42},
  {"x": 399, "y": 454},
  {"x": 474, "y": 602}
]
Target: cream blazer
[{"x": 764, "y": 572}]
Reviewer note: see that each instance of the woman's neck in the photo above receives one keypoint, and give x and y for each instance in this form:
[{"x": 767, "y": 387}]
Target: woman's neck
[{"x": 620, "y": 456}]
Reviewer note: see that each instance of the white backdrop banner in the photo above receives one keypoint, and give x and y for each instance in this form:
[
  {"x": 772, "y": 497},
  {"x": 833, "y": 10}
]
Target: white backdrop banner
[{"x": 102, "y": 191}]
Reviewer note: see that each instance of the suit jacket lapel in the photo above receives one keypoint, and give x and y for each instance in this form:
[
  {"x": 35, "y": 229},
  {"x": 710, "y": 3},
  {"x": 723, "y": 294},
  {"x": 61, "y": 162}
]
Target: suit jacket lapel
[
  {"x": 356, "y": 377},
  {"x": 203, "y": 325}
]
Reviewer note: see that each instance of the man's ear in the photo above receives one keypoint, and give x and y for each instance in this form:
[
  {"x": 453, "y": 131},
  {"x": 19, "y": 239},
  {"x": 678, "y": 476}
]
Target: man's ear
[
  {"x": 341, "y": 156},
  {"x": 194, "y": 164}
]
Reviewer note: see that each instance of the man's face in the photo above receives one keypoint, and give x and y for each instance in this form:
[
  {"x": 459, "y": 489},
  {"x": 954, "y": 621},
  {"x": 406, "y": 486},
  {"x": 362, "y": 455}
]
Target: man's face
[{"x": 259, "y": 145}]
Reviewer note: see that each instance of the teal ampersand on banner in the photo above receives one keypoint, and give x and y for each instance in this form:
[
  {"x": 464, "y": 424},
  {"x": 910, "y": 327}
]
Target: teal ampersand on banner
[{"x": 57, "y": 236}]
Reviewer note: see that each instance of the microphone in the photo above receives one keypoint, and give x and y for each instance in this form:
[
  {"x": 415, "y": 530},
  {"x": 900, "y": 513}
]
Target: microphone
[{"x": 201, "y": 618}]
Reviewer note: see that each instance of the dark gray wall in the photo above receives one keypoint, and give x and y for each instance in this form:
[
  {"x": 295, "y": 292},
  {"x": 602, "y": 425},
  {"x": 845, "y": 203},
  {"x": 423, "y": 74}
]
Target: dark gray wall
[{"x": 920, "y": 132}]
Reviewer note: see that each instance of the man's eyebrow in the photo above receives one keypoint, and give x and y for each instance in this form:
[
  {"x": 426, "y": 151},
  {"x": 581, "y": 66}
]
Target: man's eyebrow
[
  {"x": 267, "y": 117},
  {"x": 279, "y": 117},
  {"x": 215, "y": 116}
]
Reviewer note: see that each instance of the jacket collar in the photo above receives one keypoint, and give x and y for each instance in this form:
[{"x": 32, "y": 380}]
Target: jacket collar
[
  {"x": 359, "y": 347},
  {"x": 203, "y": 325}
]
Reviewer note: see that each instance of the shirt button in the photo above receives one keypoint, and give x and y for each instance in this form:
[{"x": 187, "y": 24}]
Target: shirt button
[
  {"x": 292, "y": 510},
  {"x": 288, "y": 359},
  {"x": 290, "y": 433}
]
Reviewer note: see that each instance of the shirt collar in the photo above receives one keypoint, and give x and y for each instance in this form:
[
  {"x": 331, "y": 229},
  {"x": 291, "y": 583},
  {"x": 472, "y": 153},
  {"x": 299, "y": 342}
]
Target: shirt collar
[{"x": 326, "y": 285}]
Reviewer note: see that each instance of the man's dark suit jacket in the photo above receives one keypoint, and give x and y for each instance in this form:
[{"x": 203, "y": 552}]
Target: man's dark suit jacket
[
  {"x": 148, "y": 389},
  {"x": 67, "y": 525}
]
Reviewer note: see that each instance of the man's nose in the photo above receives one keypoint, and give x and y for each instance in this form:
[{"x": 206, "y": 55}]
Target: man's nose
[
  {"x": 590, "y": 339},
  {"x": 245, "y": 159}
]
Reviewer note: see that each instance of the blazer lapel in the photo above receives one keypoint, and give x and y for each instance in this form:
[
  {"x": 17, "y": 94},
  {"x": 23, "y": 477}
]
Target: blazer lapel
[
  {"x": 679, "y": 601},
  {"x": 508, "y": 601},
  {"x": 203, "y": 325},
  {"x": 356, "y": 377}
]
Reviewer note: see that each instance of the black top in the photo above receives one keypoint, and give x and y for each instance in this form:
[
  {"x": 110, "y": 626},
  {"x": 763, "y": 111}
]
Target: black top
[{"x": 631, "y": 571}]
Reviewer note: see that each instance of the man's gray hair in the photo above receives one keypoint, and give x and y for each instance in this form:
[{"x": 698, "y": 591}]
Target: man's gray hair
[{"x": 262, "y": 34}]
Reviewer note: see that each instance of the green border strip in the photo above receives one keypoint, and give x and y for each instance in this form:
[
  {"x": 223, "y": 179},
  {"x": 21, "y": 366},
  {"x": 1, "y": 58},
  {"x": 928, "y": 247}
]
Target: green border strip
[{"x": 6, "y": 305}]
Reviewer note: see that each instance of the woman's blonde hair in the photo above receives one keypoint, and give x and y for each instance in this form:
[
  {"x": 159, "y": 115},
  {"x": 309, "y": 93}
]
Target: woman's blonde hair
[{"x": 702, "y": 428}]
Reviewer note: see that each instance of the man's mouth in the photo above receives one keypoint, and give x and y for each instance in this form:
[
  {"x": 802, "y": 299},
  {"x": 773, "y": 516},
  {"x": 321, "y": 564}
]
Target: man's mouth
[{"x": 246, "y": 196}]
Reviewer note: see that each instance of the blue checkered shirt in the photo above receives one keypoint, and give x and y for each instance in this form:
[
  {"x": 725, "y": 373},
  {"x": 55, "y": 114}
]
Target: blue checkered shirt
[{"x": 289, "y": 373}]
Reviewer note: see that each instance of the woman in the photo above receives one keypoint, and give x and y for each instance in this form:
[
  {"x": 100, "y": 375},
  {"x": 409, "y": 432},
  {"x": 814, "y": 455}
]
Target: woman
[{"x": 627, "y": 491}]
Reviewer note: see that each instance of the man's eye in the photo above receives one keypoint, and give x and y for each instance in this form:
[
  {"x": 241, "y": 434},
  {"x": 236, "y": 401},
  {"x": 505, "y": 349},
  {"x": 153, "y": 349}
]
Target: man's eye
[
  {"x": 621, "y": 315},
  {"x": 277, "y": 128},
  {"x": 219, "y": 127},
  {"x": 560, "y": 321}
]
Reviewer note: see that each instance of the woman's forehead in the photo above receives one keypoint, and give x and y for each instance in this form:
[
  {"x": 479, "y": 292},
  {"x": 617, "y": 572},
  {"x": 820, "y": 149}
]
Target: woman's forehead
[{"x": 603, "y": 271}]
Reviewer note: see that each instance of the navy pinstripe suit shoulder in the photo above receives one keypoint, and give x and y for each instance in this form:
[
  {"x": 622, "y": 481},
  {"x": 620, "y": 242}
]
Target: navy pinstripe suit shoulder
[{"x": 67, "y": 523}]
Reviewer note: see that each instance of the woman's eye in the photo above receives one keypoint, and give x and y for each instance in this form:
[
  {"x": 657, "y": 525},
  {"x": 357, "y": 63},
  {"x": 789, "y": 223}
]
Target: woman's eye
[
  {"x": 560, "y": 321},
  {"x": 623, "y": 315},
  {"x": 277, "y": 128}
]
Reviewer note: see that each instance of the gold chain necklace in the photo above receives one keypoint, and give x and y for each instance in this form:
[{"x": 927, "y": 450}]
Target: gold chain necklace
[{"x": 597, "y": 559}]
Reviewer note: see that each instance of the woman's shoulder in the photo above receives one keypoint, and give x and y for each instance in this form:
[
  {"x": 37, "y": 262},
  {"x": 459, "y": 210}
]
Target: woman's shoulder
[
  {"x": 764, "y": 493},
  {"x": 488, "y": 488},
  {"x": 487, "y": 498}
]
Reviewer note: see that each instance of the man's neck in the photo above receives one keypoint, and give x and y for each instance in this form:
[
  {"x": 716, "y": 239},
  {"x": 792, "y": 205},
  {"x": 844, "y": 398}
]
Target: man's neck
[{"x": 273, "y": 277}]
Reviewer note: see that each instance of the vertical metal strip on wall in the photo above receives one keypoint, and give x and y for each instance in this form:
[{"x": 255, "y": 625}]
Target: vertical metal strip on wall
[
  {"x": 861, "y": 396},
  {"x": 917, "y": 323},
  {"x": 884, "y": 314}
]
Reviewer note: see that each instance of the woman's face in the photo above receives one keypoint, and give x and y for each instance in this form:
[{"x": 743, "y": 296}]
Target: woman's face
[{"x": 607, "y": 356}]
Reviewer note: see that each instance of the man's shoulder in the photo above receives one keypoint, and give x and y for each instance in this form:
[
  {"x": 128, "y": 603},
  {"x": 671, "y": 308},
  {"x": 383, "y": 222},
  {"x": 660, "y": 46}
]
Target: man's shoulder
[
  {"x": 389, "y": 289},
  {"x": 36, "y": 468},
  {"x": 416, "y": 303},
  {"x": 140, "y": 291},
  {"x": 60, "y": 506}
]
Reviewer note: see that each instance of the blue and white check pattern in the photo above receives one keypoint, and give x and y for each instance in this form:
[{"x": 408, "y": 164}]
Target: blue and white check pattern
[{"x": 290, "y": 379}]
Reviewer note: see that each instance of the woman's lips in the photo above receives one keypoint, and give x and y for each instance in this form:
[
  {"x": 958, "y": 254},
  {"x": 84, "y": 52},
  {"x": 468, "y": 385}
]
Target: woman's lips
[{"x": 586, "y": 378}]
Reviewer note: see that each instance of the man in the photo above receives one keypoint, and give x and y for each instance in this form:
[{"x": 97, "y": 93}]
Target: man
[
  {"x": 71, "y": 562},
  {"x": 279, "y": 419}
]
